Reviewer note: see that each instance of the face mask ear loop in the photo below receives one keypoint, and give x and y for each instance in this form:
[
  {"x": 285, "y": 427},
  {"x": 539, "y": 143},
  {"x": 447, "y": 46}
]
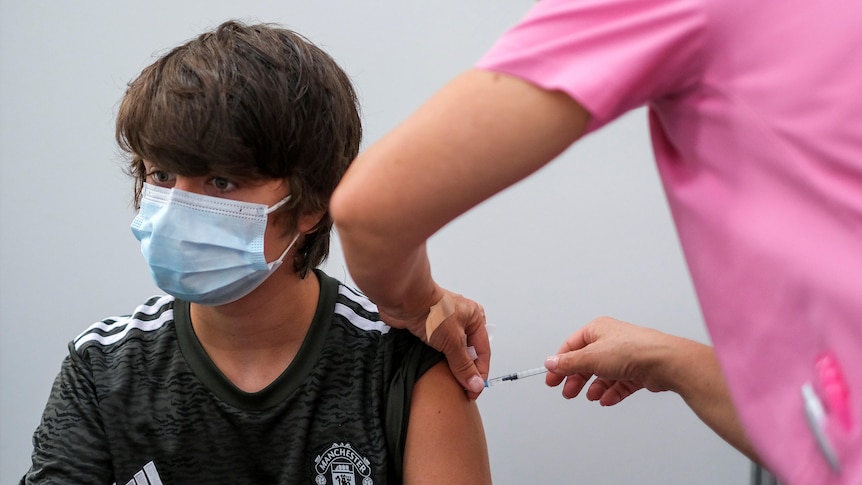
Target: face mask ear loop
[
  {"x": 277, "y": 262},
  {"x": 270, "y": 210}
]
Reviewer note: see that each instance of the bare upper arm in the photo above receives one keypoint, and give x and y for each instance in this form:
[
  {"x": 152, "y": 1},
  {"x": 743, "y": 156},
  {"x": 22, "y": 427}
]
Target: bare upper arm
[
  {"x": 445, "y": 437},
  {"x": 479, "y": 134}
]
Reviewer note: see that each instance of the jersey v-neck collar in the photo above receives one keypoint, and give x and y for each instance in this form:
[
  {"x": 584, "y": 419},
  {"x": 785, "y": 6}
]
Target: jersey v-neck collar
[{"x": 285, "y": 384}]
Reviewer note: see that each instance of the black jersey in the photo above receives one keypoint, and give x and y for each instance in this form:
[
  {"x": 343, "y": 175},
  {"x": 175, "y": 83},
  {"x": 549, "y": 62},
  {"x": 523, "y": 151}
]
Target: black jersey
[{"x": 138, "y": 401}]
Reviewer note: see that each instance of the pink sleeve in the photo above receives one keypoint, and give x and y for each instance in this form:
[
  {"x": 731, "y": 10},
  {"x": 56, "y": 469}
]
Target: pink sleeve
[{"x": 609, "y": 55}]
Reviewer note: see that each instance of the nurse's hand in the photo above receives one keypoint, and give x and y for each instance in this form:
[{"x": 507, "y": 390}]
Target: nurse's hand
[
  {"x": 624, "y": 358},
  {"x": 457, "y": 328}
]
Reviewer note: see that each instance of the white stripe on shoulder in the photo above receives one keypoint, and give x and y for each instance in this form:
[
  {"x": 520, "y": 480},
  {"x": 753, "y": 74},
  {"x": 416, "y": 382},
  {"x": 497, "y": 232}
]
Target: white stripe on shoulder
[
  {"x": 353, "y": 294},
  {"x": 127, "y": 323},
  {"x": 356, "y": 319}
]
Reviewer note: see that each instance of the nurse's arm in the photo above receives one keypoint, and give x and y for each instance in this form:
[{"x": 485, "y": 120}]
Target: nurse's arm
[{"x": 478, "y": 135}]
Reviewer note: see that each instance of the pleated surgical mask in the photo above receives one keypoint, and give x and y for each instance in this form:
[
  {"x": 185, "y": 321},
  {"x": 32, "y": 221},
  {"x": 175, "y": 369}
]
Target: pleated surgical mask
[{"x": 204, "y": 249}]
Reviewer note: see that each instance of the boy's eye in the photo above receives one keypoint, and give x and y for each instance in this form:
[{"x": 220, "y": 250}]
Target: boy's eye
[
  {"x": 222, "y": 183},
  {"x": 159, "y": 176}
]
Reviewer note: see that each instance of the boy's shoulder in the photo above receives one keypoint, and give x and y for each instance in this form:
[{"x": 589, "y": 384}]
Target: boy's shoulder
[
  {"x": 143, "y": 324},
  {"x": 354, "y": 307}
]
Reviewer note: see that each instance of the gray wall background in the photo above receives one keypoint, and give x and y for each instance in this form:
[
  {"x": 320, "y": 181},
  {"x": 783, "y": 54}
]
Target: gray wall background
[{"x": 588, "y": 235}]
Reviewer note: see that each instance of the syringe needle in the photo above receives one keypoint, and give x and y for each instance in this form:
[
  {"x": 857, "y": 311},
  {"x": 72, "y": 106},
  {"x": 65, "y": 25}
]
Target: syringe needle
[{"x": 515, "y": 376}]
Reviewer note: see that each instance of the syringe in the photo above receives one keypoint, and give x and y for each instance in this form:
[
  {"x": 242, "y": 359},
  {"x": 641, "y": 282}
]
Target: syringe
[{"x": 515, "y": 376}]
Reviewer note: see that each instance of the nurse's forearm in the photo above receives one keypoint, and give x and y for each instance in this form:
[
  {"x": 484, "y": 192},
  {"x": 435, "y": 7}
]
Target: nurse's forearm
[
  {"x": 397, "y": 278},
  {"x": 384, "y": 249},
  {"x": 698, "y": 379}
]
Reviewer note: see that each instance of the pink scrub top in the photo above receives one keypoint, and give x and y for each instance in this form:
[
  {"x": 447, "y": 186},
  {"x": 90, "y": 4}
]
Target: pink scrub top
[{"x": 755, "y": 111}]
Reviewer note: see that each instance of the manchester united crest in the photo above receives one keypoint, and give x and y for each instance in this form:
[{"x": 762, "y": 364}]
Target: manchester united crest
[{"x": 340, "y": 464}]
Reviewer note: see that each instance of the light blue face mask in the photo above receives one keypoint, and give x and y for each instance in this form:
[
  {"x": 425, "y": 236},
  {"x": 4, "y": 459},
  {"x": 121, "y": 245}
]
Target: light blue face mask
[{"x": 203, "y": 249}]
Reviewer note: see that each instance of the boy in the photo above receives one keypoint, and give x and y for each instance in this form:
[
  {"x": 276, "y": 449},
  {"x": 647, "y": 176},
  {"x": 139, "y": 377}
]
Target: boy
[{"x": 255, "y": 367}]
